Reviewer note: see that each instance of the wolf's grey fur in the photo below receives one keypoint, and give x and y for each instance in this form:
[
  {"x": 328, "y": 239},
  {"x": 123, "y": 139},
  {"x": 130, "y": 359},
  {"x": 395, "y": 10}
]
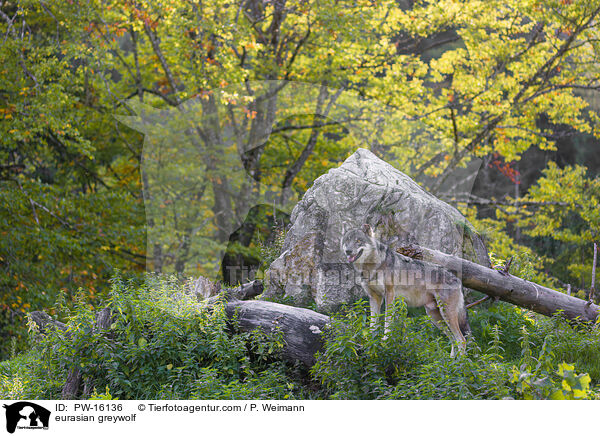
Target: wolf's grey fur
[{"x": 386, "y": 275}]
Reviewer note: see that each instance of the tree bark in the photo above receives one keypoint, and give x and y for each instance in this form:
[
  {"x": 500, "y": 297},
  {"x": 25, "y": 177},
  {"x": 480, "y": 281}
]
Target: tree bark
[
  {"x": 71, "y": 387},
  {"x": 204, "y": 288},
  {"x": 506, "y": 287},
  {"x": 45, "y": 322},
  {"x": 73, "y": 383},
  {"x": 302, "y": 328}
]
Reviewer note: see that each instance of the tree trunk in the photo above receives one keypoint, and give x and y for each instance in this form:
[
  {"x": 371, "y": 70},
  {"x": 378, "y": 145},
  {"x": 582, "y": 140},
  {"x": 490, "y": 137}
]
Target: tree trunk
[
  {"x": 301, "y": 328},
  {"x": 506, "y": 287},
  {"x": 73, "y": 383}
]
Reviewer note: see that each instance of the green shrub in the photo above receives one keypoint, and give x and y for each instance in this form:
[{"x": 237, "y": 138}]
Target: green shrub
[
  {"x": 270, "y": 384},
  {"x": 269, "y": 251},
  {"x": 412, "y": 362},
  {"x": 32, "y": 375},
  {"x": 356, "y": 363},
  {"x": 577, "y": 344},
  {"x": 102, "y": 397},
  {"x": 163, "y": 344},
  {"x": 510, "y": 320},
  {"x": 536, "y": 378}
]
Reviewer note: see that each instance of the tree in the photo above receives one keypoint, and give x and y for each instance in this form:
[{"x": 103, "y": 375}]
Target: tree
[
  {"x": 70, "y": 205},
  {"x": 575, "y": 222},
  {"x": 428, "y": 86}
]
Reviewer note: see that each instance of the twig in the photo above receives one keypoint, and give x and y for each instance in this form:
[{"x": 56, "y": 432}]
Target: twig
[
  {"x": 475, "y": 303},
  {"x": 35, "y": 215},
  {"x": 35, "y": 204}
]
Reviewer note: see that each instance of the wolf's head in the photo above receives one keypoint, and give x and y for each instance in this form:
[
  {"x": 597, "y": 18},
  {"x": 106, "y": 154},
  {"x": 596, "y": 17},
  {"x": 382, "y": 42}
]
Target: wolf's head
[{"x": 358, "y": 244}]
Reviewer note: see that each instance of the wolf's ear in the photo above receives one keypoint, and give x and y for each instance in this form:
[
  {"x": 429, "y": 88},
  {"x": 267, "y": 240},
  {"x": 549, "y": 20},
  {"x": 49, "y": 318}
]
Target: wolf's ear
[{"x": 368, "y": 230}]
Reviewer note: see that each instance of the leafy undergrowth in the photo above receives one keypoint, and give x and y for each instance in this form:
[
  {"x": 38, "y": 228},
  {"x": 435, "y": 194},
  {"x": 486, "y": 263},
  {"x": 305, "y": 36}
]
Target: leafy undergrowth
[
  {"x": 164, "y": 345},
  {"x": 510, "y": 355}
]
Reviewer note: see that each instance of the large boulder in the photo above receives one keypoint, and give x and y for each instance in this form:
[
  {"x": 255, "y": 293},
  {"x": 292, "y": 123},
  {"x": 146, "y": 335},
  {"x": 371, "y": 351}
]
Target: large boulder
[{"x": 311, "y": 271}]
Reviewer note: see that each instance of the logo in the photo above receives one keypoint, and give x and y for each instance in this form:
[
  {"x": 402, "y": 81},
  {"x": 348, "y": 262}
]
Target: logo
[{"x": 26, "y": 415}]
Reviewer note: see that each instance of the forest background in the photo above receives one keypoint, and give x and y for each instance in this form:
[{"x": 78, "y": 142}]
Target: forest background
[{"x": 512, "y": 83}]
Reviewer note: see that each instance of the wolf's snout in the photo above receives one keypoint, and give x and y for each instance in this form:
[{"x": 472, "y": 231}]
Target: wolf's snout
[{"x": 352, "y": 257}]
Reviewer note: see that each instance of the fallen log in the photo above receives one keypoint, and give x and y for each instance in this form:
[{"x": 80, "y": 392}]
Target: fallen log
[
  {"x": 301, "y": 328},
  {"x": 506, "y": 287},
  {"x": 45, "y": 322},
  {"x": 204, "y": 288}
]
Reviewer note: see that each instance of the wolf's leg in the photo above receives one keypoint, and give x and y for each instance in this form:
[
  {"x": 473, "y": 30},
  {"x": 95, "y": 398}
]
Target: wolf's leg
[
  {"x": 390, "y": 296},
  {"x": 436, "y": 318},
  {"x": 449, "y": 309},
  {"x": 375, "y": 306}
]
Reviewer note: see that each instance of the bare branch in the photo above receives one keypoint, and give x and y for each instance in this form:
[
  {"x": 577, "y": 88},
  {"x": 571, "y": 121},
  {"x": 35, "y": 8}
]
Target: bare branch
[
  {"x": 473, "y": 199},
  {"x": 163, "y": 61},
  {"x": 296, "y": 166}
]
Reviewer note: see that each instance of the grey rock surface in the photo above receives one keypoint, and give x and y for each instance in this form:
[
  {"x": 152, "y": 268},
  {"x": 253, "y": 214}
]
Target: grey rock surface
[{"x": 311, "y": 271}]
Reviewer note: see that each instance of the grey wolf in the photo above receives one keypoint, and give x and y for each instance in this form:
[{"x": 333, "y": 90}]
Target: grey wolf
[{"x": 387, "y": 275}]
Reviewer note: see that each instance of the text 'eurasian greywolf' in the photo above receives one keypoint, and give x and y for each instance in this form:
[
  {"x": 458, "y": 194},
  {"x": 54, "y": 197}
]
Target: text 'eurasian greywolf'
[{"x": 386, "y": 275}]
